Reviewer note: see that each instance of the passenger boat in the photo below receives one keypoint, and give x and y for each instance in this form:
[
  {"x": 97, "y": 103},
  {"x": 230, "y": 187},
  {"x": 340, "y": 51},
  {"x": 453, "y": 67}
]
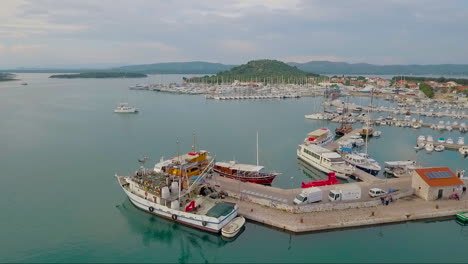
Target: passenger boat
[
  {"x": 233, "y": 228},
  {"x": 324, "y": 160},
  {"x": 125, "y": 108},
  {"x": 320, "y": 137},
  {"x": 245, "y": 172},
  {"x": 171, "y": 197}
]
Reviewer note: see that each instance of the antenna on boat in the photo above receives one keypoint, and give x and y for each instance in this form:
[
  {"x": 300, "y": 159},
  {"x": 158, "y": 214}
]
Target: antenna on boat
[{"x": 257, "y": 148}]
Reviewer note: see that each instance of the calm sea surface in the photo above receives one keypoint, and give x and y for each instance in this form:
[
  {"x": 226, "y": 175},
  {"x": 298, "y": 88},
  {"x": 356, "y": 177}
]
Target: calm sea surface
[{"x": 61, "y": 144}]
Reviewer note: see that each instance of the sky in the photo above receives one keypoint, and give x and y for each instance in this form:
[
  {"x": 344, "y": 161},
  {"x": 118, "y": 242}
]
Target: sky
[{"x": 49, "y": 33}]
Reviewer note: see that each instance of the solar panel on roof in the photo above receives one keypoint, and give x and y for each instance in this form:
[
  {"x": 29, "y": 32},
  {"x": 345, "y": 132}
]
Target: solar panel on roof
[{"x": 439, "y": 175}]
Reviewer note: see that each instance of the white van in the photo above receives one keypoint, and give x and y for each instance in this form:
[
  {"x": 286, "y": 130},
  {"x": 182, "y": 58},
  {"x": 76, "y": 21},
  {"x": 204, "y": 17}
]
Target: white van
[
  {"x": 345, "y": 192},
  {"x": 309, "y": 195}
]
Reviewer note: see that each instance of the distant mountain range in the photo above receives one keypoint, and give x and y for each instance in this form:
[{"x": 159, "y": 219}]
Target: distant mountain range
[
  {"x": 319, "y": 67},
  {"x": 328, "y": 67}
]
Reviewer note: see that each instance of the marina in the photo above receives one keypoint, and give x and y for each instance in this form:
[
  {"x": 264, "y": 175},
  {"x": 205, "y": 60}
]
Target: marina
[{"x": 267, "y": 209}]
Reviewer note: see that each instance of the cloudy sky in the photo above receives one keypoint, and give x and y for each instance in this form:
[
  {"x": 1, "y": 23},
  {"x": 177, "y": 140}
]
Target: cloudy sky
[{"x": 113, "y": 32}]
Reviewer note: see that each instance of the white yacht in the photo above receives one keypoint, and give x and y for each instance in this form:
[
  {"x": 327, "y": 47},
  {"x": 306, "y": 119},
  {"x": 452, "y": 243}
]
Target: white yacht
[
  {"x": 125, "y": 108},
  {"x": 324, "y": 160},
  {"x": 363, "y": 162}
]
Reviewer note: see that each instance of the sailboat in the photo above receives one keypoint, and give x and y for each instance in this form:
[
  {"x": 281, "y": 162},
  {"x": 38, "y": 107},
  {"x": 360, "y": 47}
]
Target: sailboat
[
  {"x": 245, "y": 172},
  {"x": 345, "y": 127}
]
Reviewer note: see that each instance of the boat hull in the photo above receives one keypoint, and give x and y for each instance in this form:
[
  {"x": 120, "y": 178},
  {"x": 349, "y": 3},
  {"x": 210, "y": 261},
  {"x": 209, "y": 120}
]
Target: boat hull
[
  {"x": 259, "y": 180},
  {"x": 370, "y": 171},
  {"x": 202, "y": 222}
]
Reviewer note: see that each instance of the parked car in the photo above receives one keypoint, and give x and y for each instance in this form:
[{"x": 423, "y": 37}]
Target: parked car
[{"x": 376, "y": 192}]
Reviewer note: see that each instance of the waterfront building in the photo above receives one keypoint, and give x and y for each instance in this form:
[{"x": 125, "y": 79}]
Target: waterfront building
[{"x": 436, "y": 183}]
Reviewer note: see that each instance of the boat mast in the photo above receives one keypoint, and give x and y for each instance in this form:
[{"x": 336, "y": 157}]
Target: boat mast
[
  {"x": 257, "y": 148},
  {"x": 193, "y": 141}
]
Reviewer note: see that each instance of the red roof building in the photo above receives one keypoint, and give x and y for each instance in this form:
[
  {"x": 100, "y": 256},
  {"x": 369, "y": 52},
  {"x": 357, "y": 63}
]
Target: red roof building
[{"x": 436, "y": 183}]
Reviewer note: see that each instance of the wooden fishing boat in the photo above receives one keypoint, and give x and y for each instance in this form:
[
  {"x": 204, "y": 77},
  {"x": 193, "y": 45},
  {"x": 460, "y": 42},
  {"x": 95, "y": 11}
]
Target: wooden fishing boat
[{"x": 244, "y": 172}]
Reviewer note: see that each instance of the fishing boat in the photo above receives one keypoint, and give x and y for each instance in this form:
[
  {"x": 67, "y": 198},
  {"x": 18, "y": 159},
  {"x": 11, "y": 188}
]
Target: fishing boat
[
  {"x": 123, "y": 108},
  {"x": 320, "y": 137},
  {"x": 324, "y": 160},
  {"x": 245, "y": 172},
  {"x": 330, "y": 181},
  {"x": 233, "y": 228},
  {"x": 175, "y": 198}
]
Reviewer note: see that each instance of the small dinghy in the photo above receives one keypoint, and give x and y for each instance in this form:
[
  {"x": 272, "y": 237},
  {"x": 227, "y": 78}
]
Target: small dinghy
[{"x": 233, "y": 227}]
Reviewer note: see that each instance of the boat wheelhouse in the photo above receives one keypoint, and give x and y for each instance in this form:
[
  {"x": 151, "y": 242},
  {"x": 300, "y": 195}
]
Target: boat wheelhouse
[
  {"x": 320, "y": 137},
  {"x": 189, "y": 164}
]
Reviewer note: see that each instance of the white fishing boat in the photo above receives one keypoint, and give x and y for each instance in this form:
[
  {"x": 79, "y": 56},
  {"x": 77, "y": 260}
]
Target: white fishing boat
[
  {"x": 233, "y": 228},
  {"x": 429, "y": 147},
  {"x": 125, "y": 108},
  {"x": 439, "y": 148},
  {"x": 324, "y": 160},
  {"x": 320, "y": 137},
  {"x": 175, "y": 198}
]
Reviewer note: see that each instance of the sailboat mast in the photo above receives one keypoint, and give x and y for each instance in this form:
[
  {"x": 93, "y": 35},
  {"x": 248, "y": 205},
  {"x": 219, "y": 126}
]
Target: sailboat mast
[
  {"x": 193, "y": 142},
  {"x": 257, "y": 148}
]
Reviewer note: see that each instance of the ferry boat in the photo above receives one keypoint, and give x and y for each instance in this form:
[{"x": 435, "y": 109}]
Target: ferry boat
[
  {"x": 165, "y": 195},
  {"x": 320, "y": 137},
  {"x": 125, "y": 108},
  {"x": 324, "y": 160}
]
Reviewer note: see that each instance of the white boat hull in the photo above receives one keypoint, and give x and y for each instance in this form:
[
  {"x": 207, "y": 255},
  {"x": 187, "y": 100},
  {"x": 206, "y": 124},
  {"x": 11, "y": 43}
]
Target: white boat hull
[{"x": 203, "y": 222}]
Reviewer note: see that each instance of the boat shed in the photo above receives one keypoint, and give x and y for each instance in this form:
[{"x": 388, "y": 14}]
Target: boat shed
[{"x": 435, "y": 183}]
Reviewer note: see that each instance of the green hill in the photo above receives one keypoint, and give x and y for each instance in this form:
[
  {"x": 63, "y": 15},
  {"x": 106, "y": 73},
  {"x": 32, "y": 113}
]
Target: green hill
[
  {"x": 268, "y": 71},
  {"x": 99, "y": 75}
]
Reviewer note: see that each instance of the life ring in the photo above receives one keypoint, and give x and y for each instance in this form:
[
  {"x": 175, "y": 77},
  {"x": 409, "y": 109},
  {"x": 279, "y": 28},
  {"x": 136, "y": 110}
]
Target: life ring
[
  {"x": 151, "y": 209},
  {"x": 174, "y": 217},
  {"x": 204, "y": 223}
]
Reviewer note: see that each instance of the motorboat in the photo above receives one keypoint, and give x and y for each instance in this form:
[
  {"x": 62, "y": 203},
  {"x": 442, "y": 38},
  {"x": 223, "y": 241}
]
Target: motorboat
[
  {"x": 125, "y": 108},
  {"x": 377, "y": 133},
  {"x": 316, "y": 116},
  {"x": 416, "y": 125},
  {"x": 419, "y": 145},
  {"x": 441, "y": 125},
  {"x": 421, "y": 138},
  {"x": 449, "y": 141},
  {"x": 441, "y": 140},
  {"x": 429, "y": 147},
  {"x": 461, "y": 141},
  {"x": 429, "y": 139},
  {"x": 439, "y": 148},
  {"x": 398, "y": 168},
  {"x": 463, "y": 150},
  {"x": 233, "y": 227},
  {"x": 449, "y": 128},
  {"x": 363, "y": 162}
]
